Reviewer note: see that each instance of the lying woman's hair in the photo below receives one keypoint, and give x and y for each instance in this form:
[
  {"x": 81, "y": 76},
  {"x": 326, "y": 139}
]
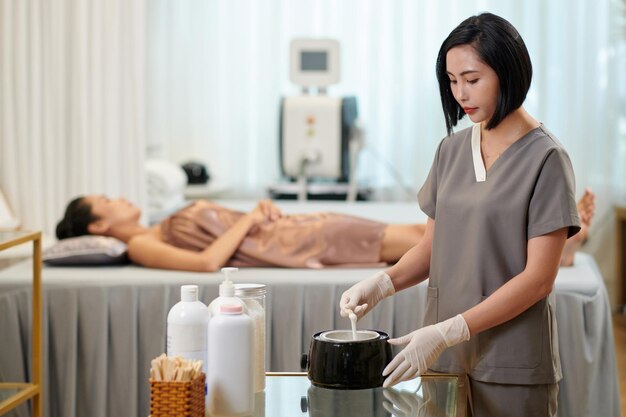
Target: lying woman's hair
[{"x": 77, "y": 217}]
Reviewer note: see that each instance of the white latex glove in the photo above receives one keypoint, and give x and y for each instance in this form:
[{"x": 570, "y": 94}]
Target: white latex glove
[
  {"x": 402, "y": 403},
  {"x": 424, "y": 347},
  {"x": 364, "y": 295},
  {"x": 410, "y": 404}
]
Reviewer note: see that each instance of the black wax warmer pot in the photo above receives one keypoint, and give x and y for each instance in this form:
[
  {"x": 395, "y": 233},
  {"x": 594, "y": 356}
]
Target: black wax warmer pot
[{"x": 337, "y": 360}]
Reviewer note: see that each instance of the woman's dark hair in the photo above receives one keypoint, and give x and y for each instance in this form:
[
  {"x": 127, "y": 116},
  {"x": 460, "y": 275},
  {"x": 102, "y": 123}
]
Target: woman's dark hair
[
  {"x": 498, "y": 45},
  {"x": 77, "y": 217}
]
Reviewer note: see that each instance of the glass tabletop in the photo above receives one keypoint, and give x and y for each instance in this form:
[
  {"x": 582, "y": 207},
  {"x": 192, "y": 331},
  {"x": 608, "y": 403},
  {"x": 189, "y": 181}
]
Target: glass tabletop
[{"x": 294, "y": 395}]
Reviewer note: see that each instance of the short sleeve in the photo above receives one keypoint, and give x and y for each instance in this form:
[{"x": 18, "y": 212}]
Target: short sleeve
[
  {"x": 427, "y": 195},
  {"x": 553, "y": 205}
]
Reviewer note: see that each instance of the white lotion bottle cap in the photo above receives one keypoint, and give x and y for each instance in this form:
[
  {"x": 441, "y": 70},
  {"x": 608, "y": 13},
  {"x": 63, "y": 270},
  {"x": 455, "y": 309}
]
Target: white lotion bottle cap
[
  {"x": 227, "y": 289},
  {"x": 189, "y": 293}
]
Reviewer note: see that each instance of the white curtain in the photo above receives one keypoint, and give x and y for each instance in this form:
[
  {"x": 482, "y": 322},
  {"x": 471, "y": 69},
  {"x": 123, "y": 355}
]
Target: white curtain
[
  {"x": 80, "y": 80},
  {"x": 217, "y": 70},
  {"x": 71, "y": 105}
]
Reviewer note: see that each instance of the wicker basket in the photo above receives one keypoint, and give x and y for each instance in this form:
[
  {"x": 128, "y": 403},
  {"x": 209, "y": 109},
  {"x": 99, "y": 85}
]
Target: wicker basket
[{"x": 170, "y": 398}]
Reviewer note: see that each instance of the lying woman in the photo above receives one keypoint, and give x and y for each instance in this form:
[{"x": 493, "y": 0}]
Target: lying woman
[{"x": 205, "y": 236}]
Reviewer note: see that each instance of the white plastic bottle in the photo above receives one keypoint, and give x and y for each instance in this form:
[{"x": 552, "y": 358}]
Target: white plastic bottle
[
  {"x": 226, "y": 294},
  {"x": 230, "y": 387},
  {"x": 187, "y": 326}
]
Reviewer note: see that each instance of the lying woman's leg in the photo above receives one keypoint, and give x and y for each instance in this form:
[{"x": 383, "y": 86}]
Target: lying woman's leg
[
  {"x": 398, "y": 239},
  {"x": 586, "y": 209}
]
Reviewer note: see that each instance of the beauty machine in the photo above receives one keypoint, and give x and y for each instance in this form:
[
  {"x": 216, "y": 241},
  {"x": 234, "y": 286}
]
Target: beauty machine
[{"x": 319, "y": 135}]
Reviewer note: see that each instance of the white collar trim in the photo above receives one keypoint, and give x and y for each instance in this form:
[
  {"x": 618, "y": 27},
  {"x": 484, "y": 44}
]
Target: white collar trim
[{"x": 479, "y": 166}]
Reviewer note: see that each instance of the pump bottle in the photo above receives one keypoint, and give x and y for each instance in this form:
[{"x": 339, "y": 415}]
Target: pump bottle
[
  {"x": 226, "y": 294},
  {"x": 230, "y": 389}
]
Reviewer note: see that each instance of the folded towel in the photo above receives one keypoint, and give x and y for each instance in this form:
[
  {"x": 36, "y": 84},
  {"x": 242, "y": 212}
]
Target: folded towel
[{"x": 164, "y": 179}]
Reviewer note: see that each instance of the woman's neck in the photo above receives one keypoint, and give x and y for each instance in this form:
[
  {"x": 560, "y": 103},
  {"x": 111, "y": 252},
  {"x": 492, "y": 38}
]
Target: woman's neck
[
  {"x": 126, "y": 232},
  {"x": 510, "y": 129}
]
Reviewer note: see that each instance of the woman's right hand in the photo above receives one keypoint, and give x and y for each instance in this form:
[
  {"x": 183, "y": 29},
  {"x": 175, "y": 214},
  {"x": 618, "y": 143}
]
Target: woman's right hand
[
  {"x": 363, "y": 296},
  {"x": 264, "y": 211}
]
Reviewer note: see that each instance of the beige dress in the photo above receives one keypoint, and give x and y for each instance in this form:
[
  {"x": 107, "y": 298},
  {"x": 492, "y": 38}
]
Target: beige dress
[{"x": 315, "y": 240}]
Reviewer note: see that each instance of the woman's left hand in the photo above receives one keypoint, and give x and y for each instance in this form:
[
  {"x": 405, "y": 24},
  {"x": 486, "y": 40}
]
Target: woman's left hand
[{"x": 423, "y": 348}]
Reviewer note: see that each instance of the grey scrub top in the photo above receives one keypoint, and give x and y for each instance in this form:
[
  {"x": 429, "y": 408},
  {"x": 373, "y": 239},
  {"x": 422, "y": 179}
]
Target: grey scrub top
[{"x": 483, "y": 221}]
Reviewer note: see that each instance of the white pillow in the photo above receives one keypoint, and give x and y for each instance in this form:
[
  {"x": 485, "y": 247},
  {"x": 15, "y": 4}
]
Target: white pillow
[{"x": 86, "y": 250}]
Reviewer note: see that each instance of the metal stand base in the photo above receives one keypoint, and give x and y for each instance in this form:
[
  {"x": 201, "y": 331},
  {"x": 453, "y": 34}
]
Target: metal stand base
[{"x": 317, "y": 191}]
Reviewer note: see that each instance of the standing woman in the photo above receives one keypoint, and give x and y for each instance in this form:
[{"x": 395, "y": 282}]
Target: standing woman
[{"x": 500, "y": 202}]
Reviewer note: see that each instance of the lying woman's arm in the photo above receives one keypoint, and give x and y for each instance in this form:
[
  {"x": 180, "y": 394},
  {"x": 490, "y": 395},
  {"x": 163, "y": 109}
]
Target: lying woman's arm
[
  {"x": 414, "y": 266},
  {"x": 148, "y": 250}
]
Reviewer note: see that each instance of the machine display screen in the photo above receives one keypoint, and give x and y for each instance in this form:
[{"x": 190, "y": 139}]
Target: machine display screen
[{"x": 314, "y": 61}]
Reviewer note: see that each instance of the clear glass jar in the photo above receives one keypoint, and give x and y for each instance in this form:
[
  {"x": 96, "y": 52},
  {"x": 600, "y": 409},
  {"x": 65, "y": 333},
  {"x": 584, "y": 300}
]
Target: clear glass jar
[
  {"x": 256, "y": 292},
  {"x": 253, "y": 295}
]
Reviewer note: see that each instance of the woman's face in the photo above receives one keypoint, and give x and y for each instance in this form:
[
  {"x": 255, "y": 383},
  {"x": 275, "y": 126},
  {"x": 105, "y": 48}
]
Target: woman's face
[
  {"x": 474, "y": 84},
  {"x": 113, "y": 212}
]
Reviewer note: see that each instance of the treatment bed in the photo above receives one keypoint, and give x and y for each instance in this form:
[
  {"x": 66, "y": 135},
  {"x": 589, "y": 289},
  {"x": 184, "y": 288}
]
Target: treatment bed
[{"x": 103, "y": 325}]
